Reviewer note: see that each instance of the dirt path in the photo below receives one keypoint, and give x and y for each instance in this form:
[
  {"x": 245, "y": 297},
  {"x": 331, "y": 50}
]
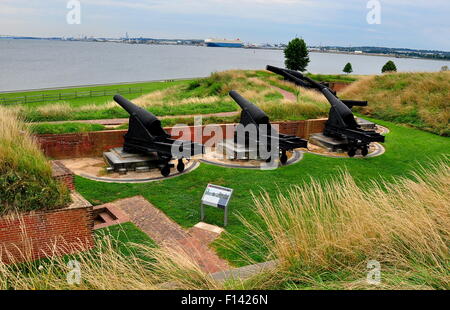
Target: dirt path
[{"x": 286, "y": 94}]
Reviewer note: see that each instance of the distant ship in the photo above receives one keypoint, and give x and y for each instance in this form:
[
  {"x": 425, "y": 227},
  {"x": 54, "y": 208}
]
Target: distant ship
[{"x": 224, "y": 43}]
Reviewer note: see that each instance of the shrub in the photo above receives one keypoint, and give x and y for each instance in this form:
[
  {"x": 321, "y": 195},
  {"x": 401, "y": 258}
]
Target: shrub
[{"x": 26, "y": 181}]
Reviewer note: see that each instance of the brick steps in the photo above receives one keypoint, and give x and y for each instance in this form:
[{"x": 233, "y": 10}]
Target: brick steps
[{"x": 107, "y": 215}]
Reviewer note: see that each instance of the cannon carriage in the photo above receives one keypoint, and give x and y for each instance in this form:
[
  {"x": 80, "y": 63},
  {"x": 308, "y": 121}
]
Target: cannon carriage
[
  {"x": 270, "y": 137},
  {"x": 146, "y": 136}
]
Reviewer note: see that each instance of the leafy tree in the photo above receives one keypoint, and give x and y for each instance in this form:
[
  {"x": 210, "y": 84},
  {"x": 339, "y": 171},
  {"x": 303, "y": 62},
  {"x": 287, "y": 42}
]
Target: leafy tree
[
  {"x": 348, "y": 68},
  {"x": 444, "y": 68},
  {"x": 296, "y": 54},
  {"x": 389, "y": 67}
]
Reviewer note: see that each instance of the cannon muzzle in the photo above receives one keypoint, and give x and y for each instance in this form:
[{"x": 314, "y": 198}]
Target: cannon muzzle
[
  {"x": 257, "y": 115},
  {"x": 150, "y": 121}
]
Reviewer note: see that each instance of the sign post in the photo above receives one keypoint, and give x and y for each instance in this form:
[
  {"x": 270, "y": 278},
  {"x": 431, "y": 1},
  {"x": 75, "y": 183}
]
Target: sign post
[{"x": 216, "y": 196}]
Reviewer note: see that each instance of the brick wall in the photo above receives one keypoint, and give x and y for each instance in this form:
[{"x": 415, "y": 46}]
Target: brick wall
[
  {"x": 62, "y": 174},
  {"x": 92, "y": 144},
  {"x": 32, "y": 236},
  {"x": 61, "y": 146}
]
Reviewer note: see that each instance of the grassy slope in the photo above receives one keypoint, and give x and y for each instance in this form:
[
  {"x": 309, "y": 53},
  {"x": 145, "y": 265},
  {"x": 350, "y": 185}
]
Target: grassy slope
[
  {"x": 421, "y": 100},
  {"x": 26, "y": 181},
  {"x": 146, "y": 88},
  {"x": 201, "y": 96},
  {"x": 179, "y": 197}
]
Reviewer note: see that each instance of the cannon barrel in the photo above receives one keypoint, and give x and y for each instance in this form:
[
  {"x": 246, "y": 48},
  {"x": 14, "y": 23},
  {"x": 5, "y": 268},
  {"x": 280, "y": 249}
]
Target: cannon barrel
[
  {"x": 352, "y": 103},
  {"x": 345, "y": 119},
  {"x": 256, "y": 113},
  {"x": 150, "y": 121},
  {"x": 289, "y": 74}
]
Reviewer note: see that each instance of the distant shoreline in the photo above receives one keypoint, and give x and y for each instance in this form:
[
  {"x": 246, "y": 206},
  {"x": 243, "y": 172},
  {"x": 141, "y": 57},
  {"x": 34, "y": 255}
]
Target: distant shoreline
[
  {"x": 244, "y": 47},
  {"x": 91, "y": 64},
  {"x": 352, "y": 53}
]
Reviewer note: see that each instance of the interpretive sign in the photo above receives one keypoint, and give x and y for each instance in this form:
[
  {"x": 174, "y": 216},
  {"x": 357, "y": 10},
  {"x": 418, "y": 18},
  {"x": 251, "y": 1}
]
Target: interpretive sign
[{"x": 216, "y": 196}]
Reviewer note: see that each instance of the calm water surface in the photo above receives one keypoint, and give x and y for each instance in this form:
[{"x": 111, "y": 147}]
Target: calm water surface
[{"x": 30, "y": 64}]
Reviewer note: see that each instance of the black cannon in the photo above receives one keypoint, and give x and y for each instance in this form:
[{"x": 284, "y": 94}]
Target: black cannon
[
  {"x": 293, "y": 76},
  {"x": 298, "y": 79},
  {"x": 251, "y": 114},
  {"x": 146, "y": 136},
  {"x": 341, "y": 122}
]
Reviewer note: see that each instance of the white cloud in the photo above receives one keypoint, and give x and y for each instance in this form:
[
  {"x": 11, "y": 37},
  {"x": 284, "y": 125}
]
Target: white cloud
[{"x": 323, "y": 20}]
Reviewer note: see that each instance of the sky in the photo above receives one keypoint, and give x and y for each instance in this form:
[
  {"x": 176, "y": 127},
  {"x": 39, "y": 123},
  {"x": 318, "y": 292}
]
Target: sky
[{"x": 421, "y": 24}]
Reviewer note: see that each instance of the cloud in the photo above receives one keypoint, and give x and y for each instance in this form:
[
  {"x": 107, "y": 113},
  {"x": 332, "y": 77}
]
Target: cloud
[{"x": 414, "y": 23}]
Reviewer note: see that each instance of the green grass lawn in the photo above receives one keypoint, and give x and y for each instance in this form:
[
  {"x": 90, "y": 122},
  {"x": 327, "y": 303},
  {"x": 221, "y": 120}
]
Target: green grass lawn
[
  {"x": 123, "y": 236},
  {"x": 69, "y": 127},
  {"x": 179, "y": 197},
  {"x": 146, "y": 88}
]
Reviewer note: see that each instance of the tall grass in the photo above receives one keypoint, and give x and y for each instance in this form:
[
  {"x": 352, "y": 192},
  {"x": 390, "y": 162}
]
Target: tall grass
[
  {"x": 26, "y": 181},
  {"x": 417, "y": 99},
  {"x": 325, "y": 234},
  {"x": 106, "y": 268}
]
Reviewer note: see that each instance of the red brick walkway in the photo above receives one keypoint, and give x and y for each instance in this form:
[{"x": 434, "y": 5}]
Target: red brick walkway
[{"x": 166, "y": 232}]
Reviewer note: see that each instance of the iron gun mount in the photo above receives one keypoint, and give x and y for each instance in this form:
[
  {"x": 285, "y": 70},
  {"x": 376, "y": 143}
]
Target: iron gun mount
[
  {"x": 341, "y": 123},
  {"x": 253, "y": 115},
  {"x": 145, "y": 136}
]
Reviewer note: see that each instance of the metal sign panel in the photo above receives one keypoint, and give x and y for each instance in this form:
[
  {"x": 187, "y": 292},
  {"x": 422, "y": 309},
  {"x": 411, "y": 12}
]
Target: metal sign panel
[{"x": 217, "y": 196}]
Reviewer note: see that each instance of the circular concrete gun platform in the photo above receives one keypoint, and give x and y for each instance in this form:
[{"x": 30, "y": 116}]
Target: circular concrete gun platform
[
  {"x": 217, "y": 159},
  {"x": 324, "y": 148},
  {"x": 95, "y": 169}
]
